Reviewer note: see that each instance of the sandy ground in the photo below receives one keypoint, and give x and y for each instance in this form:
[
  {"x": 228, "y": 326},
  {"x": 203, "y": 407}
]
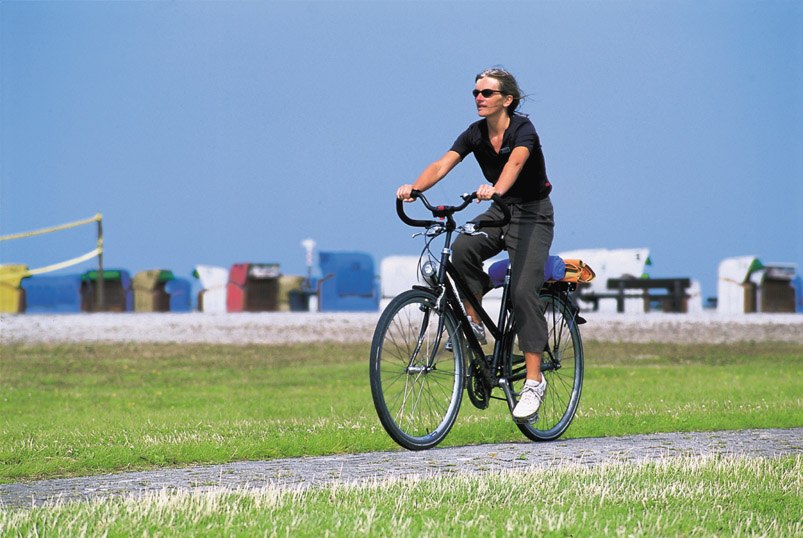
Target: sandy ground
[{"x": 278, "y": 327}]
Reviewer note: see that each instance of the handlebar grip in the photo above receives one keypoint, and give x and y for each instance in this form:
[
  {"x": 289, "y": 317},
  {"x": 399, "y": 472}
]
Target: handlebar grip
[
  {"x": 496, "y": 223},
  {"x": 410, "y": 221}
]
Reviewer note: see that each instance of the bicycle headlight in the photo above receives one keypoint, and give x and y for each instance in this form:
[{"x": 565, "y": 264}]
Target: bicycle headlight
[{"x": 429, "y": 270}]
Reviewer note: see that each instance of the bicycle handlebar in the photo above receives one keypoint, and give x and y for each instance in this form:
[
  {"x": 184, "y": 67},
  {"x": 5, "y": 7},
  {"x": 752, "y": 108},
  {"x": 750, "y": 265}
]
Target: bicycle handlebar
[{"x": 442, "y": 211}]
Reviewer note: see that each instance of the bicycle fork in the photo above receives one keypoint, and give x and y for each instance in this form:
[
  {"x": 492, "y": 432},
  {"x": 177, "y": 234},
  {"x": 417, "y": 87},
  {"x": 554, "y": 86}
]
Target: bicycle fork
[
  {"x": 427, "y": 366},
  {"x": 412, "y": 367}
]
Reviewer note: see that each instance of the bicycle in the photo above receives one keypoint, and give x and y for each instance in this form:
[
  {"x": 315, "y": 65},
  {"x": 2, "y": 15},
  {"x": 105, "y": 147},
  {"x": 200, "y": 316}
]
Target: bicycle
[{"x": 417, "y": 380}]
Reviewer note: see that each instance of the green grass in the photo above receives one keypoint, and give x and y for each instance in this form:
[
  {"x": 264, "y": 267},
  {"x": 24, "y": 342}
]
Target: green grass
[
  {"x": 684, "y": 497},
  {"x": 85, "y": 409}
]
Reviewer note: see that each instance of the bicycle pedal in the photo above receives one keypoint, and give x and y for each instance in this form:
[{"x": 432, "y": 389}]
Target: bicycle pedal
[{"x": 532, "y": 420}]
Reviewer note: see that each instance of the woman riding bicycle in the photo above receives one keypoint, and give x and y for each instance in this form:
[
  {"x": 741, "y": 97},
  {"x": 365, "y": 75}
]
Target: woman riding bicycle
[{"x": 508, "y": 151}]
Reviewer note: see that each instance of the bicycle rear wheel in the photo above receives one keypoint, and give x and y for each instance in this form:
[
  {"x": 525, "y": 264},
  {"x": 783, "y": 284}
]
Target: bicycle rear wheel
[
  {"x": 561, "y": 366},
  {"x": 417, "y": 385}
]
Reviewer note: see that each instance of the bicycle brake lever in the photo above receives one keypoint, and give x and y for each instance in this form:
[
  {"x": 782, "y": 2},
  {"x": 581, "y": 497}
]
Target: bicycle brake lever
[
  {"x": 470, "y": 228},
  {"x": 432, "y": 231}
]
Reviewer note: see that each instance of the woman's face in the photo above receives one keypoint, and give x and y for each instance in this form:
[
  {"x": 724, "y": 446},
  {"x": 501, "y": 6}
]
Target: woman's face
[{"x": 494, "y": 104}]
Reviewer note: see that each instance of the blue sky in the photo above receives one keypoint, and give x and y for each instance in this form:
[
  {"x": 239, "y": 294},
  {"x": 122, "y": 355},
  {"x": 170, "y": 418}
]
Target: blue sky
[{"x": 228, "y": 132}]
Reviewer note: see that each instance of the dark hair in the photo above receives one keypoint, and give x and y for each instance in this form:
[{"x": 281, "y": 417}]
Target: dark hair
[{"x": 507, "y": 85}]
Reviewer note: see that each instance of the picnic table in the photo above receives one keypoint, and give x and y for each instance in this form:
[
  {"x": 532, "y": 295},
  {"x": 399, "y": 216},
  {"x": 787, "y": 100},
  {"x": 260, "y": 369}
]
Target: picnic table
[{"x": 672, "y": 297}]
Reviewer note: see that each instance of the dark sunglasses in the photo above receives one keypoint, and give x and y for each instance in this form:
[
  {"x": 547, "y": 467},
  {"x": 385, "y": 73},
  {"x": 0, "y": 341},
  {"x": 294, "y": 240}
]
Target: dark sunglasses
[{"x": 485, "y": 93}]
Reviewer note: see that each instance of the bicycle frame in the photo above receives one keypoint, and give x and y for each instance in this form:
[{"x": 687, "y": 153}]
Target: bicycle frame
[
  {"x": 496, "y": 329},
  {"x": 447, "y": 274}
]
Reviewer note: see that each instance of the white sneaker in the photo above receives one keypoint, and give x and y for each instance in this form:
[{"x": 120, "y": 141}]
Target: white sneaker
[
  {"x": 530, "y": 400},
  {"x": 479, "y": 332}
]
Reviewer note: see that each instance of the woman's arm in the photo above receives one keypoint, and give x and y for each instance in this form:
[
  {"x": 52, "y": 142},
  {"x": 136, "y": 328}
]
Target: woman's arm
[
  {"x": 510, "y": 173},
  {"x": 431, "y": 175}
]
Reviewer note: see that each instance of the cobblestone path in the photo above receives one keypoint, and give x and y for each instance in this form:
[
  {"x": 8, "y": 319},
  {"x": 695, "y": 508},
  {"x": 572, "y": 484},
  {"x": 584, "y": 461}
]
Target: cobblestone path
[{"x": 320, "y": 471}]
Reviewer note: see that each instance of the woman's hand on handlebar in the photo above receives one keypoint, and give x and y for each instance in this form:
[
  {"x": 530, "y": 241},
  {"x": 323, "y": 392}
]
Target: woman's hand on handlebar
[
  {"x": 485, "y": 192},
  {"x": 446, "y": 211},
  {"x": 405, "y": 193}
]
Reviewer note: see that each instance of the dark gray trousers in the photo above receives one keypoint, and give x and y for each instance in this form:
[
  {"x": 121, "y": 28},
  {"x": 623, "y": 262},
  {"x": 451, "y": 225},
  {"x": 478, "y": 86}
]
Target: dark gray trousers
[{"x": 527, "y": 239}]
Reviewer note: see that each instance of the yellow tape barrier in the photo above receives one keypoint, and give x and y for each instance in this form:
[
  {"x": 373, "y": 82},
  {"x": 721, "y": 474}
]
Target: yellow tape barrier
[{"x": 56, "y": 266}]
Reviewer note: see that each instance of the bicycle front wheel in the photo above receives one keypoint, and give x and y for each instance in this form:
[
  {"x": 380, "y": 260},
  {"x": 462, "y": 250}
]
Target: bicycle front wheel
[
  {"x": 561, "y": 366},
  {"x": 416, "y": 383}
]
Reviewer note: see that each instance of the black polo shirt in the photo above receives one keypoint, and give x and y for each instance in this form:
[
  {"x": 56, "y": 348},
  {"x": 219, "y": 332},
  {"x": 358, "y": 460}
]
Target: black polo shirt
[{"x": 532, "y": 183}]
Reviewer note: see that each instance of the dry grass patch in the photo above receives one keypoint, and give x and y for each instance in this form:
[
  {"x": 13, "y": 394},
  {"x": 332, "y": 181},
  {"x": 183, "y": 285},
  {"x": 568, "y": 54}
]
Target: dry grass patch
[{"x": 683, "y": 496}]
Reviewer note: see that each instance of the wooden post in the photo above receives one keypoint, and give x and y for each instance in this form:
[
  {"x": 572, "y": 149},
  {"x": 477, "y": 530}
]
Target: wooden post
[{"x": 99, "y": 299}]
